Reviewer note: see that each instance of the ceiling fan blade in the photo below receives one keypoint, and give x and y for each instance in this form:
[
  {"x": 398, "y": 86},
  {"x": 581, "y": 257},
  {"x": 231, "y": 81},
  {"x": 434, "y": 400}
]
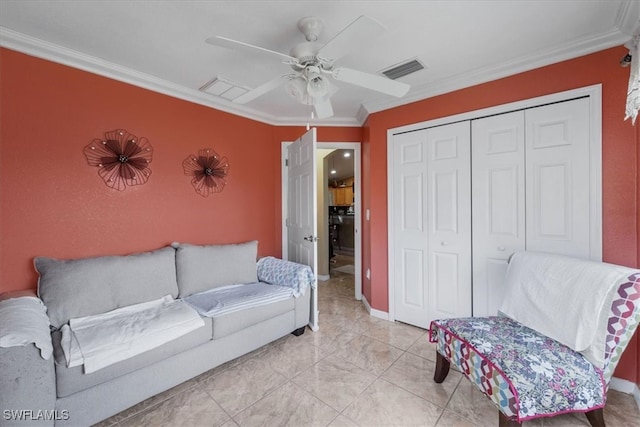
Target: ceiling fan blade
[
  {"x": 260, "y": 90},
  {"x": 352, "y": 38},
  {"x": 323, "y": 108},
  {"x": 246, "y": 47},
  {"x": 371, "y": 81}
]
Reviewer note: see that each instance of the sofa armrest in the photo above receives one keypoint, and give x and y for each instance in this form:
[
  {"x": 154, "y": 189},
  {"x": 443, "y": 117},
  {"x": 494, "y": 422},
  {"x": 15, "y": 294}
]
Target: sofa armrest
[
  {"x": 286, "y": 273},
  {"x": 27, "y": 387},
  {"x": 27, "y": 372}
]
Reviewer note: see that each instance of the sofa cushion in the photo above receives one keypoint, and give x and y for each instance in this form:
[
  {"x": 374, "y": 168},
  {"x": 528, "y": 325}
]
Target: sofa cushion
[
  {"x": 200, "y": 268},
  {"x": 73, "y": 380},
  {"x": 228, "y": 324},
  {"x": 87, "y": 286}
]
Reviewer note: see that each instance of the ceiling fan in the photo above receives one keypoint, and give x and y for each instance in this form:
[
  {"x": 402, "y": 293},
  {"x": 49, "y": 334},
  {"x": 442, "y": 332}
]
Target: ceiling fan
[{"x": 313, "y": 63}]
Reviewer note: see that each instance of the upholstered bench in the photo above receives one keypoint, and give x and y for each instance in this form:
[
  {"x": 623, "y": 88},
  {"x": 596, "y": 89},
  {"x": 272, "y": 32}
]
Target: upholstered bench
[{"x": 528, "y": 374}]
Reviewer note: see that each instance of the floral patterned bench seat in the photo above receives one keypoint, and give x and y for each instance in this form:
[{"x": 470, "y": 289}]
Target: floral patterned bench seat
[{"x": 526, "y": 373}]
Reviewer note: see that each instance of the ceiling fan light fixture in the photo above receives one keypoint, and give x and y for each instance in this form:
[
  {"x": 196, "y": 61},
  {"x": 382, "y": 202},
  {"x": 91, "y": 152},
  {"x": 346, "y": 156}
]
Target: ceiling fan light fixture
[
  {"x": 317, "y": 85},
  {"x": 297, "y": 89}
]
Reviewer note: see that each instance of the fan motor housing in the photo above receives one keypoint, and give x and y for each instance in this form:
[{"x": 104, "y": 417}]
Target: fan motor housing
[{"x": 306, "y": 53}]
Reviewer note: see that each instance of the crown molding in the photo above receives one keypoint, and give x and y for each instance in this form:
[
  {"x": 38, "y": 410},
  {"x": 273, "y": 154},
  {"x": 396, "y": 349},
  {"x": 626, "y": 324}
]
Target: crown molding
[
  {"x": 627, "y": 22},
  {"x": 487, "y": 74},
  {"x": 23, "y": 43}
]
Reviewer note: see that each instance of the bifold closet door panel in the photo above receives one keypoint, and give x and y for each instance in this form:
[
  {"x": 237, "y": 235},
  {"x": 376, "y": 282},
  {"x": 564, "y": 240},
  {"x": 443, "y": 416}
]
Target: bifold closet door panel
[
  {"x": 410, "y": 229},
  {"x": 449, "y": 204},
  {"x": 558, "y": 178},
  {"x": 498, "y": 204},
  {"x": 431, "y": 224}
]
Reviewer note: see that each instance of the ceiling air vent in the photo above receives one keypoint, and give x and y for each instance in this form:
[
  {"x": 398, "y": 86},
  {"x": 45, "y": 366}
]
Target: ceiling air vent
[
  {"x": 223, "y": 88},
  {"x": 403, "y": 69}
]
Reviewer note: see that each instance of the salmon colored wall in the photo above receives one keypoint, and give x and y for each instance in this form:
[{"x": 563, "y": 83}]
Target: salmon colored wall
[
  {"x": 621, "y": 238},
  {"x": 54, "y": 204}
]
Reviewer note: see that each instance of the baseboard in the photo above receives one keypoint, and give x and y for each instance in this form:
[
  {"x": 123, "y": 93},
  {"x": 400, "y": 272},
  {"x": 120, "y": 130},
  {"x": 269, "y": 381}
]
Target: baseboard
[
  {"x": 366, "y": 304},
  {"x": 626, "y": 386},
  {"x": 323, "y": 277},
  {"x": 373, "y": 312}
]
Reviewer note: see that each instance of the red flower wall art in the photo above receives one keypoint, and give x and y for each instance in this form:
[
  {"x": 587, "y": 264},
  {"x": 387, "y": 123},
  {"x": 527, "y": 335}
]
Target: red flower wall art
[
  {"x": 122, "y": 158},
  {"x": 208, "y": 170}
]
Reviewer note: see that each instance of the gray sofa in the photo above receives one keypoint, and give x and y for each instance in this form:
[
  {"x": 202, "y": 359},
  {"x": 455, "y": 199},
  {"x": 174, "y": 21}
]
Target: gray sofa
[{"x": 84, "y": 287}]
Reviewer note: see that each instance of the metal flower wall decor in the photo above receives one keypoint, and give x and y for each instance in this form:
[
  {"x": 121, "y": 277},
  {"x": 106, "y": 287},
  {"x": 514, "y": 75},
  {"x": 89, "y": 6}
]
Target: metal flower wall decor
[
  {"x": 208, "y": 170},
  {"x": 122, "y": 158}
]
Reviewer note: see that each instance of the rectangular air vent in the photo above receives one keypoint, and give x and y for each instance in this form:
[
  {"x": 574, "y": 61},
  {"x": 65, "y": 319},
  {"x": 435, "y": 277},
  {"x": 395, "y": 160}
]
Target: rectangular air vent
[
  {"x": 403, "y": 69},
  {"x": 223, "y": 88}
]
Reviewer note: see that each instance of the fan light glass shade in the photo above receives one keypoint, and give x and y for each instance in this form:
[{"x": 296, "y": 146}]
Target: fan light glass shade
[
  {"x": 296, "y": 88},
  {"x": 317, "y": 86}
]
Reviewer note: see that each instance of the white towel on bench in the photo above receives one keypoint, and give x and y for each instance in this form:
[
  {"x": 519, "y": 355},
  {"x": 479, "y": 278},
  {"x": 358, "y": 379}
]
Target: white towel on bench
[{"x": 564, "y": 298}]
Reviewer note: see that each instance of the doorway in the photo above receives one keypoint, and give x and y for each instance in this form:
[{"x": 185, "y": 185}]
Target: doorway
[{"x": 345, "y": 239}]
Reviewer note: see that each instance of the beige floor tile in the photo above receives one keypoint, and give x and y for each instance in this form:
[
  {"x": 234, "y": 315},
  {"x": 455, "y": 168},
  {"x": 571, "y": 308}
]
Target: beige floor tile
[
  {"x": 370, "y": 354},
  {"x": 342, "y": 421},
  {"x": 152, "y": 401},
  {"x": 189, "y": 408},
  {"x": 470, "y": 403},
  {"x": 451, "y": 419},
  {"x": 292, "y": 355},
  {"x": 384, "y": 404},
  {"x": 335, "y": 381},
  {"x": 289, "y": 405},
  {"x": 423, "y": 348},
  {"x": 396, "y": 334},
  {"x": 565, "y": 420},
  {"x": 415, "y": 374},
  {"x": 621, "y": 410},
  {"x": 236, "y": 388}
]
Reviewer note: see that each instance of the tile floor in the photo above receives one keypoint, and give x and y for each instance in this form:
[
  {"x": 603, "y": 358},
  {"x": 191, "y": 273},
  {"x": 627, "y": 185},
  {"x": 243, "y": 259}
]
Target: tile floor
[{"x": 355, "y": 371}]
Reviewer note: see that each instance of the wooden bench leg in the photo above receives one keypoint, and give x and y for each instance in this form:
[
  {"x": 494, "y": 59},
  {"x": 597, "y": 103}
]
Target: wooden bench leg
[
  {"x": 504, "y": 421},
  {"x": 596, "y": 417},
  {"x": 442, "y": 368}
]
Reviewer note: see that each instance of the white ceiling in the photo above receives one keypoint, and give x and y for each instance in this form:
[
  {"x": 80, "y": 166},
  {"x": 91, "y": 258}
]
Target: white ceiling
[{"x": 160, "y": 45}]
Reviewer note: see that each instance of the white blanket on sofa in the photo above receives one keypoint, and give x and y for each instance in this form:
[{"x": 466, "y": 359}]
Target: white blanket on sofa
[
  {"x": 104, "y": 339},
  {"x": 228, "y": 299},
  {"x": 24, "y": 321},
  {"x": 564, "y": 298}
]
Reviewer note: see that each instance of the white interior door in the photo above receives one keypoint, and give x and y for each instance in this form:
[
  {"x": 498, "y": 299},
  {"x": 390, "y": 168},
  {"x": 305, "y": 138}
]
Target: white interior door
[
  {"x": 498, "y": 204},
  {"x": 432, "y": 224},
  {"x": 302, "y": 215}
]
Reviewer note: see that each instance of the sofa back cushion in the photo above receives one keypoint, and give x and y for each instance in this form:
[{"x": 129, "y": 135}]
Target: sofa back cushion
[
  {"x": 200, "y": 268},
  {"x": 88, "y": 286}
]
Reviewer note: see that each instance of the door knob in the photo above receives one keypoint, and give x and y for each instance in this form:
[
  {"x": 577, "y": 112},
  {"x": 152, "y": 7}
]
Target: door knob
[{"x": 311, "y": 238}]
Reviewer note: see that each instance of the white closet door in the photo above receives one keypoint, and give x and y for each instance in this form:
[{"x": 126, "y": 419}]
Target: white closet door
[
  {"x": 449, "y": 202},
  {"x": 410, "y": 228},
  {"x": 432, "y": 224},
  {"x": 498, "y": 204},
  {"x": 557, "y": 178}
]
